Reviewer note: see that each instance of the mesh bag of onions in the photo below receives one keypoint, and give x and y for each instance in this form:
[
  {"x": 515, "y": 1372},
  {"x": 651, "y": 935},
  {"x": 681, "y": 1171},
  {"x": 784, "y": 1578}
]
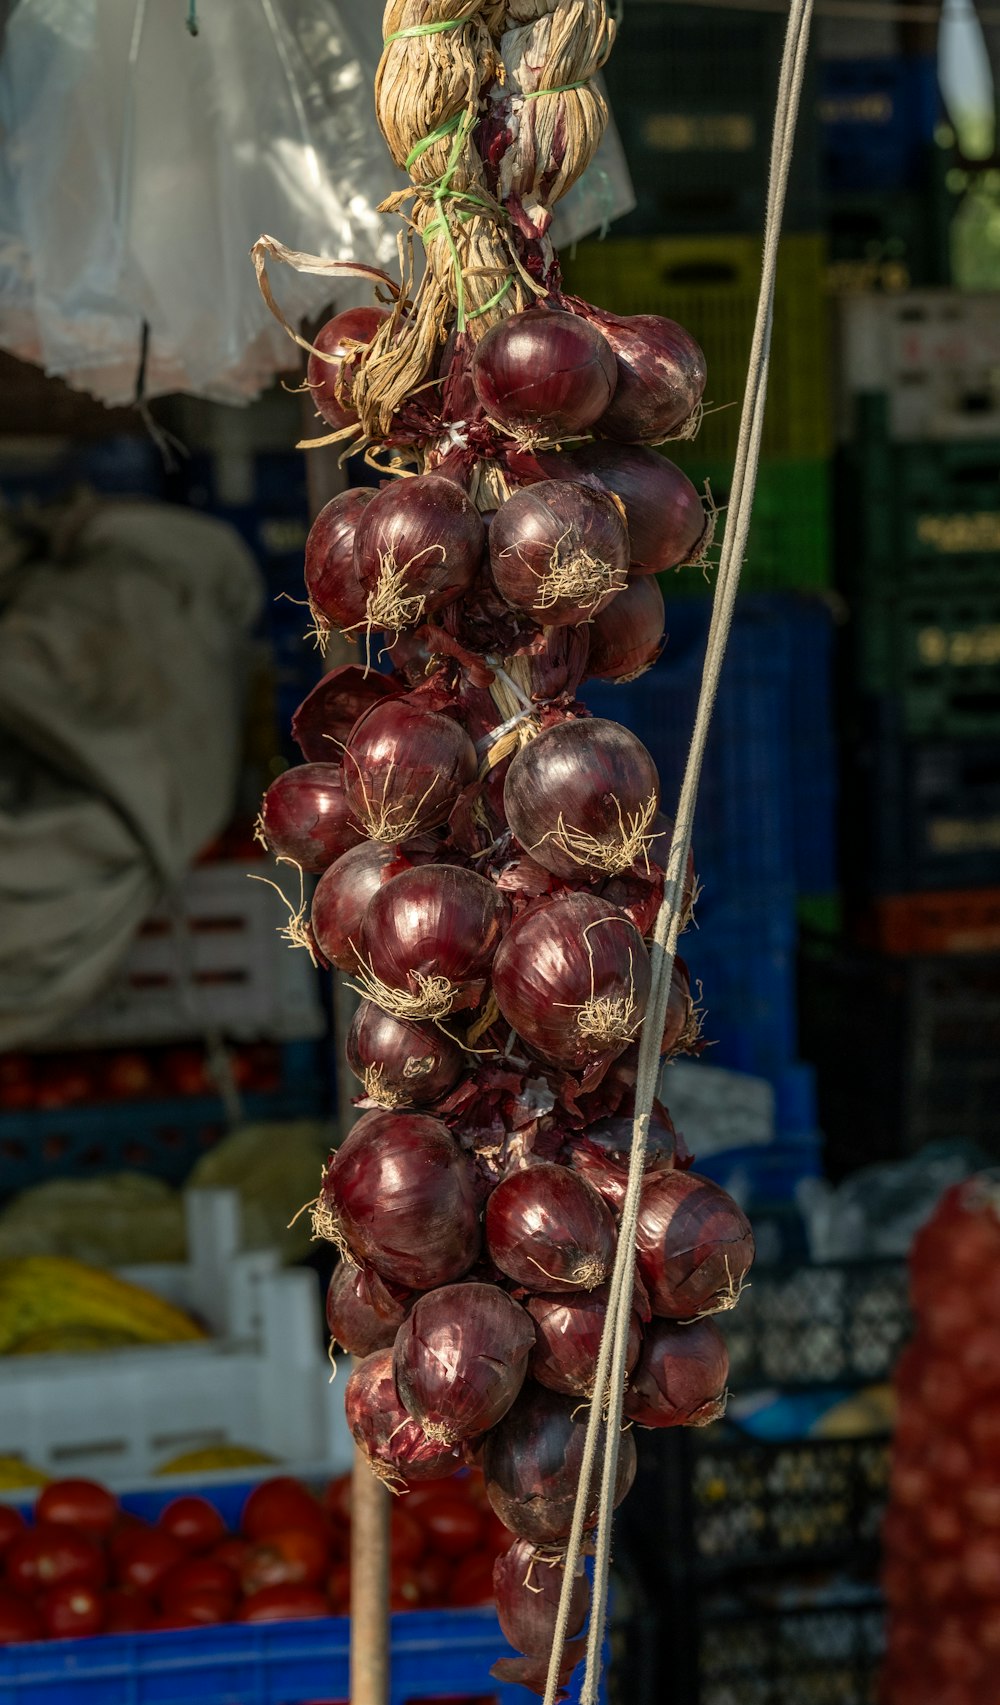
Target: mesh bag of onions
[{"x": 491, "y": 857}]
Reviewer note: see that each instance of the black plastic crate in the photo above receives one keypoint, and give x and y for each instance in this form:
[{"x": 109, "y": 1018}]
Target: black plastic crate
[
  {"x": 892, "y": 242},
  {"x": 839, "y": 1323},
  {"x": 825, "y": 1652}
]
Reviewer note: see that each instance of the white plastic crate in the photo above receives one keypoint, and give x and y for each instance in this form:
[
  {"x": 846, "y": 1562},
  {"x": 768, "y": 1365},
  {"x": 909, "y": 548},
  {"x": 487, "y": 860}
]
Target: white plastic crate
[
  {"x": 262, "y": 1380},
  {"x": 213, "y": 960},
  {"x": 717, "y": 1109},
  {"x": 935, "y": 355}
]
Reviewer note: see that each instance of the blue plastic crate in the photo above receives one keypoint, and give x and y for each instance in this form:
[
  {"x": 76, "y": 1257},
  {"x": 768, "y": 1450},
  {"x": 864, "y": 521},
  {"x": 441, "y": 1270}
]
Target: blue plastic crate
[
  {"x": 116, "y": 467},
  {"x": 746, "y": 986},
  {"x": 878, "y": 120},
  {"x": 765, "y": 1176}
]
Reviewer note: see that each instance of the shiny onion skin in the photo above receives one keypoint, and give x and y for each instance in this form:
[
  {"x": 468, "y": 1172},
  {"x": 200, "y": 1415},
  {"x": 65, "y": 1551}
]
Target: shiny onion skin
[
  {"x": 428, "y": 939},
  {"x": 404, "y": 768},
  {"x": 568, "y": 1340},
  {"x": 680, "y": 1379},
  {"x": 402, "y": 1196},
  {"x": 305, "y": 816},
  {"x": 667, "y": 524},
  {"x": 548, "y": 1230},
  {"x": 682, "y": 1025},
  {"x": 559, "y": 551},
  {"x": 397, "y": 1450},
  {"x": 581, "y": 798},
  {"x": 544, "y": 373},
  {"x": 661, "y": 379},
  {"x": 601, "y": 1152},
  {"x": 355, "y": 1323},
  {"x": 460, "y": 1359},
  {"x": 401, "y": 1063},
  {"x": 417, "y": 546},
  {"x": 343, "y": 892},
  {"x": 531, "y": 1461},
  {"x": 336, "y": 595},
  {"x": 324, "y": 378},
  {"x": 527, "y": 1588},
  {"x": 627, "y": 636},
  {"x": 572, "y": 978},
  {"x": 694, "y": 1245},
  {"x": 323, "y": 722}
]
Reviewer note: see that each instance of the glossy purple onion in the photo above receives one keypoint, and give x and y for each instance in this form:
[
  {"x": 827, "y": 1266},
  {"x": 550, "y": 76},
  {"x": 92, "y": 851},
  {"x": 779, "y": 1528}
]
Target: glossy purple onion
[
  {"x": 305, "y": 816},
  {"x": 602, "y": 1152},
  {"x": 418, "y": 546},
  {"x": 680, "y": 1378},
  {"x": 667, "y": 523},
  {"x": 559, "y": 551},
  {"x": 460, "y": 1359},
  {"x": 661, "y": 378},
  {"x": 324, "y": 719},
  {"x": 581, "y": 798},
  {"x": 527, "y": 1588},
  {"x": 694, "y": 1245},
  {"x": 343, "y": 892},
  {"x": 329, "y": 381},
  {"x": 358, "y": 1321},
  {"x": 398, "y": 1451},
  {"x": 402, "y": 1196},
  {"x": 399, "y": 1062},
  {"x": 404, "y": 768},
  {"x": 531, "y": 1463},
  {"x": 568, "y": 1340},
  {"x": 627, "y": 637},
  {"x": 336, "y": 595},
  {"x": 428, "y": 939},
  {"x": 548, "y": 1230},
  {"x": 544, "y": 372}
]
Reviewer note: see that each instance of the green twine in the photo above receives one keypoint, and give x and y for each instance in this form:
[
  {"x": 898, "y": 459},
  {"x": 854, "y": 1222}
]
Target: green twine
[
  {"x": 563, "y": 89},
  {"x": 498, "y": 296},
  {"x": 426, "y": 29},
  {"x": 192, "y": 17},
  {"x": 437, "y": 135}
]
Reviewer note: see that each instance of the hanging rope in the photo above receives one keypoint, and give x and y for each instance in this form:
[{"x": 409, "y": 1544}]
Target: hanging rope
[{"x": 605, "y": 1417}]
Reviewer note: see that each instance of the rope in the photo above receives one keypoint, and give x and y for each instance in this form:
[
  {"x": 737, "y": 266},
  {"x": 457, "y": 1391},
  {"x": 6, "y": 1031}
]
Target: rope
[{"x": 610, "y": 1377}]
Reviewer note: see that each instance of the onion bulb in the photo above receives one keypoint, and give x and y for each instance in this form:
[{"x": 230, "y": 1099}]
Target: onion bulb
[
  {"x": 418, "y": 546},
  {"x": 680, "y": 1379},
  {"x": 324, "y": 719},
  {"x": 460, "y": 1359},
  {"x": 627, "y": 637},
  {"x": 343, "y": 892},
  {"x": 397, "y": 1449},
  {"x": 548, "y": 1230},
  {"x": 568, "y": 1333},
  {"x": 532, "y": 1459},
  {"x": 694, "y": 1245},
  {"x": 356, "y": 1321},
  {"x": 544, "y": 373},
  {"x": 527, "y": 1587},
  {"x": 305, "y": 816},
  {"x": 404, "y": 768},
  {"x": 428, "y": 939},
  {"x": 602, "y": 1152},
  {"x": 661, "y": 378},
  {"x": 330, "y": 380},
  {"x": 667, "y": 524},
  {"x": 400, "y": 1063},
  {"x": 559, "y": 551},
  {"x": 336, "y": 595},
  {"x": 581, "y": 798}
]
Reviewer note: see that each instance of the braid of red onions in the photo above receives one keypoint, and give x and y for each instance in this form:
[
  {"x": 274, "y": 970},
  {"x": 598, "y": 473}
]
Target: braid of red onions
[{"x": 491, "y": 865}]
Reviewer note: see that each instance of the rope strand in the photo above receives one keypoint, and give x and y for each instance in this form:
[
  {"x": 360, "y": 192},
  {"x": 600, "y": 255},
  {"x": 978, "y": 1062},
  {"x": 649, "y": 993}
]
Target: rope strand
[{"x": 610, "y": 1377}]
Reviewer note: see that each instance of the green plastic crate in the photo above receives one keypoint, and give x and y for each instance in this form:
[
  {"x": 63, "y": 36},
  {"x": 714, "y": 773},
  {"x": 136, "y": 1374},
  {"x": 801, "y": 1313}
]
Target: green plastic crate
[
  {"x": 789, "y": 548},
  {"x": 710, "y": 285},
  {"x": 938, "y": 654}
]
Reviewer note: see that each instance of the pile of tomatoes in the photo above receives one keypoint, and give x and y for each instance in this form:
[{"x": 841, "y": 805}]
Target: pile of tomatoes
[
  {"x": 85, "y": 1566},
  {"x": 50, "y": 1082}
]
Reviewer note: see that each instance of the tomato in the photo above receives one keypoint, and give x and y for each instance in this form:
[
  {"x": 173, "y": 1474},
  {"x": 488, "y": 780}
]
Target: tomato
[
  {"x": 198, "y": 1575},
  {"x": 49, "y": 1555},
  {"x": 943, "y": 1525},
  {"x": 11, "y": 1524},
  {"x": 954, "y": 1650},
  {"x": 283, "y": 1604},
  {"x": 496, "y": 1537},
  {"x": 404, "y": 1588},
  {"x": 143, "y": 1558},
  {"x": 127, "y": 1612},
  {"x": 19, "y": 1620},
  {"x": 279, "y": 1504},
  {"x": 186, "y": 1072},
  {"x": 64, "y": 1084},
  {"x": 196, "y": 1607},
  {"x": 427, "y": 1492},
  {"x": 82, "y": 1504},
  {"x": 452, "y": 1526},
  {"x": 17, "y": 1088},
  {"x": 337, "y": 1499},
  {"x": 981, "y": 1565},
  {"x": 71, "y": 1613},
  {"x": 433, "y": 1575},
  {"x": 407, "y": 1540},
  {"x": 981, "y": 1499},
  {"x": 128, "y": 1076},
  {"x": 195, "y": 1522},
  {"x": 338, "y": 1587},
  {"x": 232, "y": 1551},
  {"x": 293, "y": 1555},
  {"x": 472, "y": 1582}
]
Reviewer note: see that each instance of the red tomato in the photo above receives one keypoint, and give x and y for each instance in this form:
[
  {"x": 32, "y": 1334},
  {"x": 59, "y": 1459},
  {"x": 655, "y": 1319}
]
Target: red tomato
[
  {"x": 337, "y": 1499},
  {"x": 64, "y": 1084},
  {"x": 472, "y": 1581},
  {"x": 49, "y": 1555},
  {"x": 453, "y": 1526},
  {"x": 338, "y": 1587},
  {"x": 944, "y": 1527},
  {"x": 404, "y": 1588},
  {"x": 288, "y": 1556},
  {"x": 407, "y": 1540},
  {"x": 142, "y": 1559},
  {"x": 427, "y": 1492},
  {"x": 186, "y": 1072},
  {"x": 198, "y": 1575},
  {"x": 189, "y": 1609},
  {"x": 433, "y": 1575},
  {"x": 232, "y": 1551},
  {"x": 17, "y": 1088},
  {"x": 283, "y": 1604},
  {"x": 82, "y": 1504},
  {"x": 71, "y": 1613},
  {"x": 11, "y": 1524},
  {"x": 195, "y": 1522},
  {"x": 279, "y": 1504},
  {"x": 129, "y": 1076},
  {"x": 127, "y": 1612},
  {"x": 981, "y": 1565},
  {"x": 19, "y": 1620},
  {"x": 496, "y": 1537}
]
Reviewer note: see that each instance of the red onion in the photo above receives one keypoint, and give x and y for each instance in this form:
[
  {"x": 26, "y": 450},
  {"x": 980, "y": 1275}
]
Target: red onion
[
  {"x": 401, "y": 1064},
  {"x": 340, "y": 337},
  {"x": 404, "y": 768},
  {"x": 627, "y": 637},
  {"x": 305, "y": 816},
  {"x": 527, "y": 1588},
  {"x": 343, "y": 892},
  {"x": 460, "y": 1359},
  {"x": 667, "y": 523},
  {"x": 682, "y": 1025},
  {"x": 661, "y": 378},
  {"x": 356, "y": 1323},
  {"x": 428, "y": 939},
  {"x": 568, "y": 1340},
  {"x": 531, "y": 1462},
  {"x": 680, "y": 1380},
  {"x": 397, "y": 1449},
  {"x": 581, "y": 798},
  {"x": 549, "y": 1231},
  {"x": 411, "y": 656},
  {"x": 601, "y": 1153},
  {"x": 694, "y": 1245},
  {"x": 400, "y": 1194},
  {"x": 559, "y": 551},
  {"x": 336, "y": 595},
  {"x": 417, "y": 547},
  {"x": 638, "y": 893},
  {"x": 326, "y": 716},
  {"x": 572, "y": 978},
  {"x": 544, "y": 372}
]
